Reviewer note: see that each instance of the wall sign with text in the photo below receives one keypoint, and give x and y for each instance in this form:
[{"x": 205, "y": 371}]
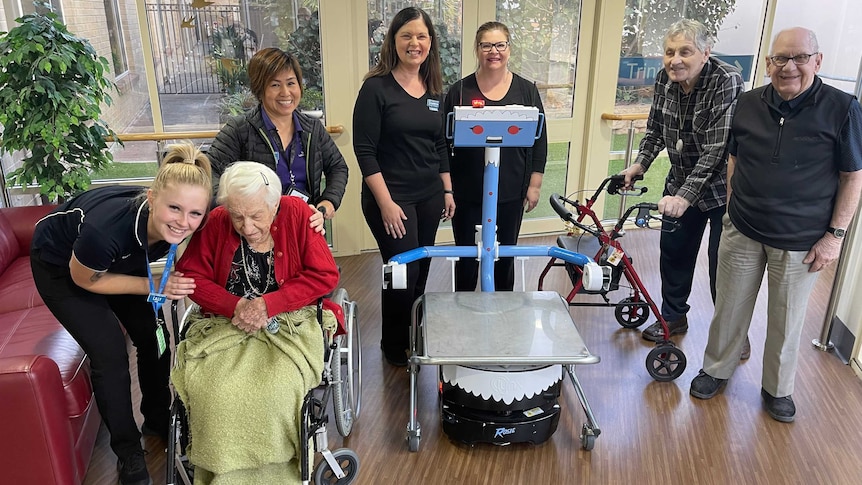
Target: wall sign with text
[{"x": 641, "y": 71}]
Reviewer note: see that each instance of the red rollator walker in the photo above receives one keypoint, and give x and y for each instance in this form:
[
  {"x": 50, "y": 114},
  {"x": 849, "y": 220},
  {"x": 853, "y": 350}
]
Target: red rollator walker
[{"x": 665, "y": 362}]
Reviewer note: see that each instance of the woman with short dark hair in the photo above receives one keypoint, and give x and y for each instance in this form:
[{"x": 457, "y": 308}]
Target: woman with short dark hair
[{"x": 276, "y": 134}]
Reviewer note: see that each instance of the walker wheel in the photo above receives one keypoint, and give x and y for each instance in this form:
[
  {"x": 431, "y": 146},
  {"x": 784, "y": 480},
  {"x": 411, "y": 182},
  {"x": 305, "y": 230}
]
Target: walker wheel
[
  {"x": 631, "y": 314},
  {"x": 347, "y": 460},
  {"x": 588, "y": 439},
  {"x": 413, "y": 443},
  {"x": 665, "y": 362}
]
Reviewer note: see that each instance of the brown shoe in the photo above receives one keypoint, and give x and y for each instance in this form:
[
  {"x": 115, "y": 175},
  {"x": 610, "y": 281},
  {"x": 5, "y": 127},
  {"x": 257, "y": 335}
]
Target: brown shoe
[{"x": 654, "y": 332}]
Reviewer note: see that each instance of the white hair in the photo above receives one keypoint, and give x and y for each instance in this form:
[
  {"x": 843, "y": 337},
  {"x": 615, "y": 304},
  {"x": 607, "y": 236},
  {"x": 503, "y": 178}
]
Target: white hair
[
  {"x": 249, "y": 179},
  {"x": 691, "y": 30}
]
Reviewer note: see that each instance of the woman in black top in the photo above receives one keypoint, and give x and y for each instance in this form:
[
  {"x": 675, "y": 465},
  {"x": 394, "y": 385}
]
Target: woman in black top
[
  {"x": 521, "y": 169},
  {"x": 399, "y": 144},
  {"x": 90, "y": 260}
]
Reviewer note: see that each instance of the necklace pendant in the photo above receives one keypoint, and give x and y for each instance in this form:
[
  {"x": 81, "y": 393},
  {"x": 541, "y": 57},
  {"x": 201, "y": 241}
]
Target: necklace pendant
[{"x": 679, "y": 145}]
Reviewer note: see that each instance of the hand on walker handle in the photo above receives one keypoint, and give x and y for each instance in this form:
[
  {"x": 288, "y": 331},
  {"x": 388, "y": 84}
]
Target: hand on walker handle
[
  {"x": 673, "y": 206},
  {"x": 632, "y": 172}
]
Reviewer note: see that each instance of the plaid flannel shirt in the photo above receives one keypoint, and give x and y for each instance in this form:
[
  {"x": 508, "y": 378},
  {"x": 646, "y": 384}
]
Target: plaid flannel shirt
[{"x": 698, "y": 172}]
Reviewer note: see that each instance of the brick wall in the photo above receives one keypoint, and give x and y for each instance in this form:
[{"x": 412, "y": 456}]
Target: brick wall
[{"x": 87, "y": 19}]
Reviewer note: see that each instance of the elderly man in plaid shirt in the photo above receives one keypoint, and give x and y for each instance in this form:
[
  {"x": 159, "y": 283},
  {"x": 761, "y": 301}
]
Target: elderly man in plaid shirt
[{"x": 695, "y": 96}]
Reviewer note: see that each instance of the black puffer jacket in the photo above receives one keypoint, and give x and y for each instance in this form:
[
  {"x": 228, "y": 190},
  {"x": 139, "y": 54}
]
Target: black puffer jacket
[{"x": 244, "y": 138}]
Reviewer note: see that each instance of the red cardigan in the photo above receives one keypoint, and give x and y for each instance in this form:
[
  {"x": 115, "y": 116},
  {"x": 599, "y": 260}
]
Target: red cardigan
[{"x": 304, "y": 267}]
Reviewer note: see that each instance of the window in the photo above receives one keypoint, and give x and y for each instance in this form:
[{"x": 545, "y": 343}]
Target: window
[
  {"x": 837, "y": 30},
  {"x": 44, "y": 7},
  {"x": 545, "y": 48}
]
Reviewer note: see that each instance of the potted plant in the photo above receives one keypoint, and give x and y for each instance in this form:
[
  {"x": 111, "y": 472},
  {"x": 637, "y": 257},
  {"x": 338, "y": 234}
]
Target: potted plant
[{"x": 52, "y": 85}]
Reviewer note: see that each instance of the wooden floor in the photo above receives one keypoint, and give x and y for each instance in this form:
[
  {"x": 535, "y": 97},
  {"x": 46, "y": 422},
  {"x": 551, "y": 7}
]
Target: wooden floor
[{"x": 651, "y": 432}]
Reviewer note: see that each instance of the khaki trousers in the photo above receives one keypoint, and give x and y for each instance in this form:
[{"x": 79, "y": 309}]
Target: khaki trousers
[{"x": 741, "y": 263}]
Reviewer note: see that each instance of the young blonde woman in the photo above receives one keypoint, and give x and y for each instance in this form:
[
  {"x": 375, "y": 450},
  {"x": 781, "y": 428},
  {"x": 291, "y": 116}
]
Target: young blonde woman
[{"x": 90, "y": 259}]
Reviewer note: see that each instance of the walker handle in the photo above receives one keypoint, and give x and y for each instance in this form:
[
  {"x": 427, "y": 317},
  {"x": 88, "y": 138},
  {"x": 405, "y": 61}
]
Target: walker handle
[
  {"x": 450, "y": 127},
  {"x": 539, "y": 125}
]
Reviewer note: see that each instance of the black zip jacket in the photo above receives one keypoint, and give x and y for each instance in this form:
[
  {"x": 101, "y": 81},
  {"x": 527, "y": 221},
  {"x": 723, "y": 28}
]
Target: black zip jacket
[{"x": 244, "y": 138}]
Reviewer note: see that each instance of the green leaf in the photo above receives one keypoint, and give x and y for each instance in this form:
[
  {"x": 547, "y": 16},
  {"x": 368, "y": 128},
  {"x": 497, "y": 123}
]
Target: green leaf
[{"x": 52, "y": 85}]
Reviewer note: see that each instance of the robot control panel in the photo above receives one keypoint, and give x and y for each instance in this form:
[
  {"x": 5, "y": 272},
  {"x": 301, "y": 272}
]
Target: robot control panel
[{"x": 494, "y": 126}]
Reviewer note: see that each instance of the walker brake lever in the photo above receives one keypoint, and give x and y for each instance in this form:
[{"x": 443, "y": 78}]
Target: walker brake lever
[
  {"x": 617, "y": 183},
  {"x": 670, "y": 224},
  {"x": 644, "y": 216}
]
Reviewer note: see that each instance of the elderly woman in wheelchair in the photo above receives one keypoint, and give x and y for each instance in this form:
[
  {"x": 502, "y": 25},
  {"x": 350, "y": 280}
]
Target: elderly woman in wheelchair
[{"x": 255, "y": 349}]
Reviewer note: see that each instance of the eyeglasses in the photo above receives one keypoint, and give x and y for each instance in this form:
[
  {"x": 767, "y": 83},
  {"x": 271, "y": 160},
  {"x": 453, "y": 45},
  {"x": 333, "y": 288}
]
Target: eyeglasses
[
  {"x": 500, "y": 46},
  {"x": 799, "y": 60}
]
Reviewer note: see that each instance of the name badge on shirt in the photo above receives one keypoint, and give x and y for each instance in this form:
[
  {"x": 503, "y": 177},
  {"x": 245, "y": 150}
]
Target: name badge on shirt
[
  {"x": 433, "y": 105},
  {"x": 157, "y": 298},
  {"x": 293, "y": 191}
]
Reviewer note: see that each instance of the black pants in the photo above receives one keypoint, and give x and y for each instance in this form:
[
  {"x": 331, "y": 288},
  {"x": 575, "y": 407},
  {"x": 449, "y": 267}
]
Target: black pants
[
  {"x": 94, "y": 322},
  {"x": 468, "y": 215},
  {"x": 679, "y": 256},
  {"x": 423, "y": 218}
]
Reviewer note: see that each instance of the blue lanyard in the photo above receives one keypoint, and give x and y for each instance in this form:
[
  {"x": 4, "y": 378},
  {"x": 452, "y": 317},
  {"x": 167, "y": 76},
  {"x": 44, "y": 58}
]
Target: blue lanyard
[{"x": 158, "y": 299}]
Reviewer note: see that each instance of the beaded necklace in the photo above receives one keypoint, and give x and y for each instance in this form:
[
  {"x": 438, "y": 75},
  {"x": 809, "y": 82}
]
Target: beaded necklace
[{"x": 269, "y": 278}]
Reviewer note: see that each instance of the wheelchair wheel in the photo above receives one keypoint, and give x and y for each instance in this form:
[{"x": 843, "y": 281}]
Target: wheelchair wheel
[
  {"x": 178, "y": 468},
  {"x": 631, "y": 314},
  {"x": 347, "y": 368},
  {"x": 347, "y": 460}
]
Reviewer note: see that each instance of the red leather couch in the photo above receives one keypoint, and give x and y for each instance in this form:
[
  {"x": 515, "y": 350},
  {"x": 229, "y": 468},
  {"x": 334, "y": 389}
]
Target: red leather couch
[{"x": 48, "y": 416}]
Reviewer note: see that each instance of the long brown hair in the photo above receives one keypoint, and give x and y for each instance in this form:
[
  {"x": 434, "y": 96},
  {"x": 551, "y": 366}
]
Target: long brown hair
[{"x": 430, "y": 70}]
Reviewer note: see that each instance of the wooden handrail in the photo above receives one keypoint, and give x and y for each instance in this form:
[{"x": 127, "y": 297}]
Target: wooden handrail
[
  {"x": 190, "y": 135},
  {"x": 624, "y": 117},
  {"x": 163, "y": 136}
]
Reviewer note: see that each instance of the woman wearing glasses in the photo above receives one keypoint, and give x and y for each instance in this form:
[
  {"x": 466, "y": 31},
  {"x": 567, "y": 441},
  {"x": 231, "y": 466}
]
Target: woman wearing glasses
[{"x": 521, "y": 169}]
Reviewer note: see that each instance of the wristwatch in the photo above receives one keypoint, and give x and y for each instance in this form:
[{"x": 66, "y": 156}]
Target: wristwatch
[{"x": 837, "y": 232}]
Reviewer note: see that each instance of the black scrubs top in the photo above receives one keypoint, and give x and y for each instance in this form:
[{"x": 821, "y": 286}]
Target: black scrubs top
[{"x": 105, "y": 227}]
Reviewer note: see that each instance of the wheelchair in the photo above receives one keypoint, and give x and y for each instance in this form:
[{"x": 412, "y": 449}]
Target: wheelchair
[{"x": 341, "y": 380}]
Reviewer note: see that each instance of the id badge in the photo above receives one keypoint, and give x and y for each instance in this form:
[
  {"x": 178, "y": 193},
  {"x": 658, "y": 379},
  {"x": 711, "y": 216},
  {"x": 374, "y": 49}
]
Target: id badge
[
  {"x": 295, "y": 192},
  {"x": 161, "y": 336},
  {"x": 157, "y": 298}
]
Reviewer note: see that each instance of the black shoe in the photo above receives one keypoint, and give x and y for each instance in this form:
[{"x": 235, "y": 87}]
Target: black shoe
[
  {"x": 779, "y": 408},
  {"x": 704, "y": 386},
  {"x": 396, "y": 358},
  {"x": 158, "y": 430},
  {"x": 655, "y": 332},
  {"x": 133, "y": 469}
]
